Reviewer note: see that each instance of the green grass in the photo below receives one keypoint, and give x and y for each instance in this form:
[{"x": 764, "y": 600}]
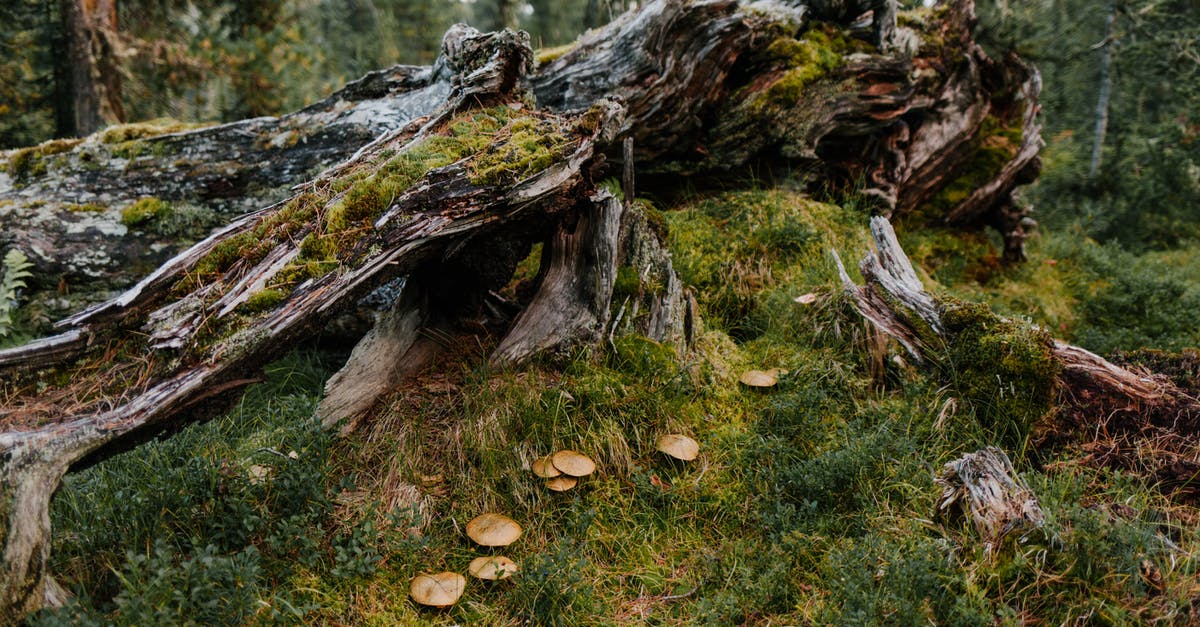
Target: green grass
[{"x": 812, "y": 503}]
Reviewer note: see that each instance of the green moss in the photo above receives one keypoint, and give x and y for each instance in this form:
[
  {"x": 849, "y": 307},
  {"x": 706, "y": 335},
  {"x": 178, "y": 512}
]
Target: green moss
[
  {"x": 363, "y": 203},
  {"x": 144, "y": 210},
  {"x": 808, "y": 60},
  {"x": 263, "y": 300},
  {"x": 123, "y": 133},
  {"x": 627, "y": 285},
  {"x": 29, "y": 162},
  {"x": 549, "y": 55},
  {"x": 1005, "y": 369},
  {"x": 90, "y": 207},
  {"x": 530, "y": 146}
]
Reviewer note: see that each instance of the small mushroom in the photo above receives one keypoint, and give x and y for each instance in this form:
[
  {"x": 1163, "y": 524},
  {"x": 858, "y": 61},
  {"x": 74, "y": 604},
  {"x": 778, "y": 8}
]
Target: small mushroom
[
  {"x": 493, "y": 530},
  {"x": 440, "y": 590},
  {"x": 562, "y": 484},
  {"x": 759, "y": 378},
  {"x": 544, "y": 468},
  {"x": 573, "y": 463},
  {"x": 492, "y": 568},
  {"x": 679, "y": 446}
]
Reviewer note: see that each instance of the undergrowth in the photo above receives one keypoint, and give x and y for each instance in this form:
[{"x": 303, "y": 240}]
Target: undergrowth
[{"x": 811, "y": 503}]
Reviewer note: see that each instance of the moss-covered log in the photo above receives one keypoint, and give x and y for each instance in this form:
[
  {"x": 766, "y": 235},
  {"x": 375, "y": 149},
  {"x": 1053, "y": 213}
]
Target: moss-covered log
[
  {"x": 455, "y": 174},
  {"x": 934, "y": 128},
  {"x": 1028, "y": 388}
]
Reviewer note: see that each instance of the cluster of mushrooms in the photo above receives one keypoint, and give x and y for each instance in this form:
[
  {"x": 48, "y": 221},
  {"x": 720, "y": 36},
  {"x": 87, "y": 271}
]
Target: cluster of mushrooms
[{"x": 561, "y": 471}]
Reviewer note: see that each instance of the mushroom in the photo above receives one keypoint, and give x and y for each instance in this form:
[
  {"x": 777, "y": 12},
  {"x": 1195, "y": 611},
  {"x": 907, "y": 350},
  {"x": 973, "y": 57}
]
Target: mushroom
[
  {"x": 493, "y": 530},
  {"x": 679, "y": 446},
  {"x": 761, "y": 378},
  {"x": 573, "y": 463},
  {"x": 492, "y": 568},
  {"x": 544, "y": 468},
  {"x": 562, "y": 484},
  {"x": 440, "y": 590}
]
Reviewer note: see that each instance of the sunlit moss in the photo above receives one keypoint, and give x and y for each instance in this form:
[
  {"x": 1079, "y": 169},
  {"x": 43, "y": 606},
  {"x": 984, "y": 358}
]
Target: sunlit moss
[
  {"x": 30, "y": 162},
  {"x": 144, "y": 210}
]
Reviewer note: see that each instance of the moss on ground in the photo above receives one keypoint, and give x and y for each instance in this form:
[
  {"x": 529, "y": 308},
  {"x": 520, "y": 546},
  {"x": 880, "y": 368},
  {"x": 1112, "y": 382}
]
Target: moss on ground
[{"x": 810, "y": 503}]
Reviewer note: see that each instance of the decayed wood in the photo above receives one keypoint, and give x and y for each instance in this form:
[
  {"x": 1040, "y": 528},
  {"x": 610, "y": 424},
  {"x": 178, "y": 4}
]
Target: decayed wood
[
  {"x": 1107, "y": 414},
  {"x": 984, "y": 487},
  {"x": 187, "y": 337},
  {"x": 579, "y": 267},
  {"x": 45, "y": 434},
  {"x": 909, "y": 121},
  {"x": 63, "y": 207}
]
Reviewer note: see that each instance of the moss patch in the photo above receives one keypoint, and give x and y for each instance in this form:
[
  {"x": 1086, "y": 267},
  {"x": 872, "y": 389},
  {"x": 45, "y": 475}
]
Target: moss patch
[
  {"x": 30, "y": 162},
  {"x": 128, "y": 132},
  {"x": 1004, "y": 368},
  {"x": 144, "y": 210}
]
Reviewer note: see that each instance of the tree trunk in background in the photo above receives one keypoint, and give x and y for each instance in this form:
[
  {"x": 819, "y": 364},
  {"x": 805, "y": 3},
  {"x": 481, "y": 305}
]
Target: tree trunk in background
[
  {"x": 507, "y": 10},
  {"x": 89, "y": 69},
  {"x": 79, "y": 112},
  {"x": 1105, "y": 92}
]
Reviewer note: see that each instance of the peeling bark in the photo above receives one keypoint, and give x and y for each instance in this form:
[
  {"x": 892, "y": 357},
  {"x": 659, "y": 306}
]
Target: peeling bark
[
  {"x": 983, "y": 487},
  {"x": 412, "y": 194},
  {"x": 1104, "y": 414}
]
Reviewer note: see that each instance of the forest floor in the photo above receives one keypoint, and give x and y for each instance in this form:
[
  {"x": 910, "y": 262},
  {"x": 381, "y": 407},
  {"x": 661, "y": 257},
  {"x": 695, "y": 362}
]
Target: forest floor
[{"x": 811, "y": 501}]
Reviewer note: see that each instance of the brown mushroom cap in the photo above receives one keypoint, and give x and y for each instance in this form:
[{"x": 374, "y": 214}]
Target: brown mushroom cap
[
  {"x": 440, "y": 590},
  {"x": 493, "y": 530},
  {"x": 562, "y": 484},
  {"x": 679, "y": 446},
  {"x": 544, "y": 468},
  {"x": 493, "y": 568},
  {"x": 759, "y": 378},
  {"x": 573, "y": 463}
]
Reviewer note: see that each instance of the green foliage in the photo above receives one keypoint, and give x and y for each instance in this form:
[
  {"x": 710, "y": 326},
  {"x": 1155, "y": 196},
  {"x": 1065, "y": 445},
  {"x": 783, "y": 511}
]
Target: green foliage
[
  {"x": 229, "y": 510},
  {"x": 1148, "y": 184},
  {"x": 204, "y": 589},
  {"x": 13, "y": 272}
]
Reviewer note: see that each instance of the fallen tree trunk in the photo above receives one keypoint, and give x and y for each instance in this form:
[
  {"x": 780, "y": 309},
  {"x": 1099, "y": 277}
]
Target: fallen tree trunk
[
  {"x": 1094, "y": 410},
  {"x": 451, "y": 197},
  {"x": 937, "y": 131},
  {"x": 95, "y": 215}
]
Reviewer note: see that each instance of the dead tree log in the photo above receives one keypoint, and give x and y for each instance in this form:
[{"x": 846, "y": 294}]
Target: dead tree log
[
  {"x": 1102, "y": 413},
  {"x": 96, "y": 214},
  {"x": 935, "y": 129},
  {"x": 984, "y": 488},
  {"x": 452, "y": 196}
]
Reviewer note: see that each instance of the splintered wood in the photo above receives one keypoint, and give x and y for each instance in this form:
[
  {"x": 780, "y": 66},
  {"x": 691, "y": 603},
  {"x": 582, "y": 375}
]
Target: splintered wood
[{"x": 984, "y": 487}]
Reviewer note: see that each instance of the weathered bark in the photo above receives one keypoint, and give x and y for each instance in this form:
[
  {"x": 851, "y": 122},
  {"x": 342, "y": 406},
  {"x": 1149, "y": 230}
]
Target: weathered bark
[
  {"x": 68, "y": 205},
  {"x": 452, "y": 206},
  {"x": 983, "y": 487},
  {"x": 917, "y": 127},
  {"x": 1124, "y": 417}
]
